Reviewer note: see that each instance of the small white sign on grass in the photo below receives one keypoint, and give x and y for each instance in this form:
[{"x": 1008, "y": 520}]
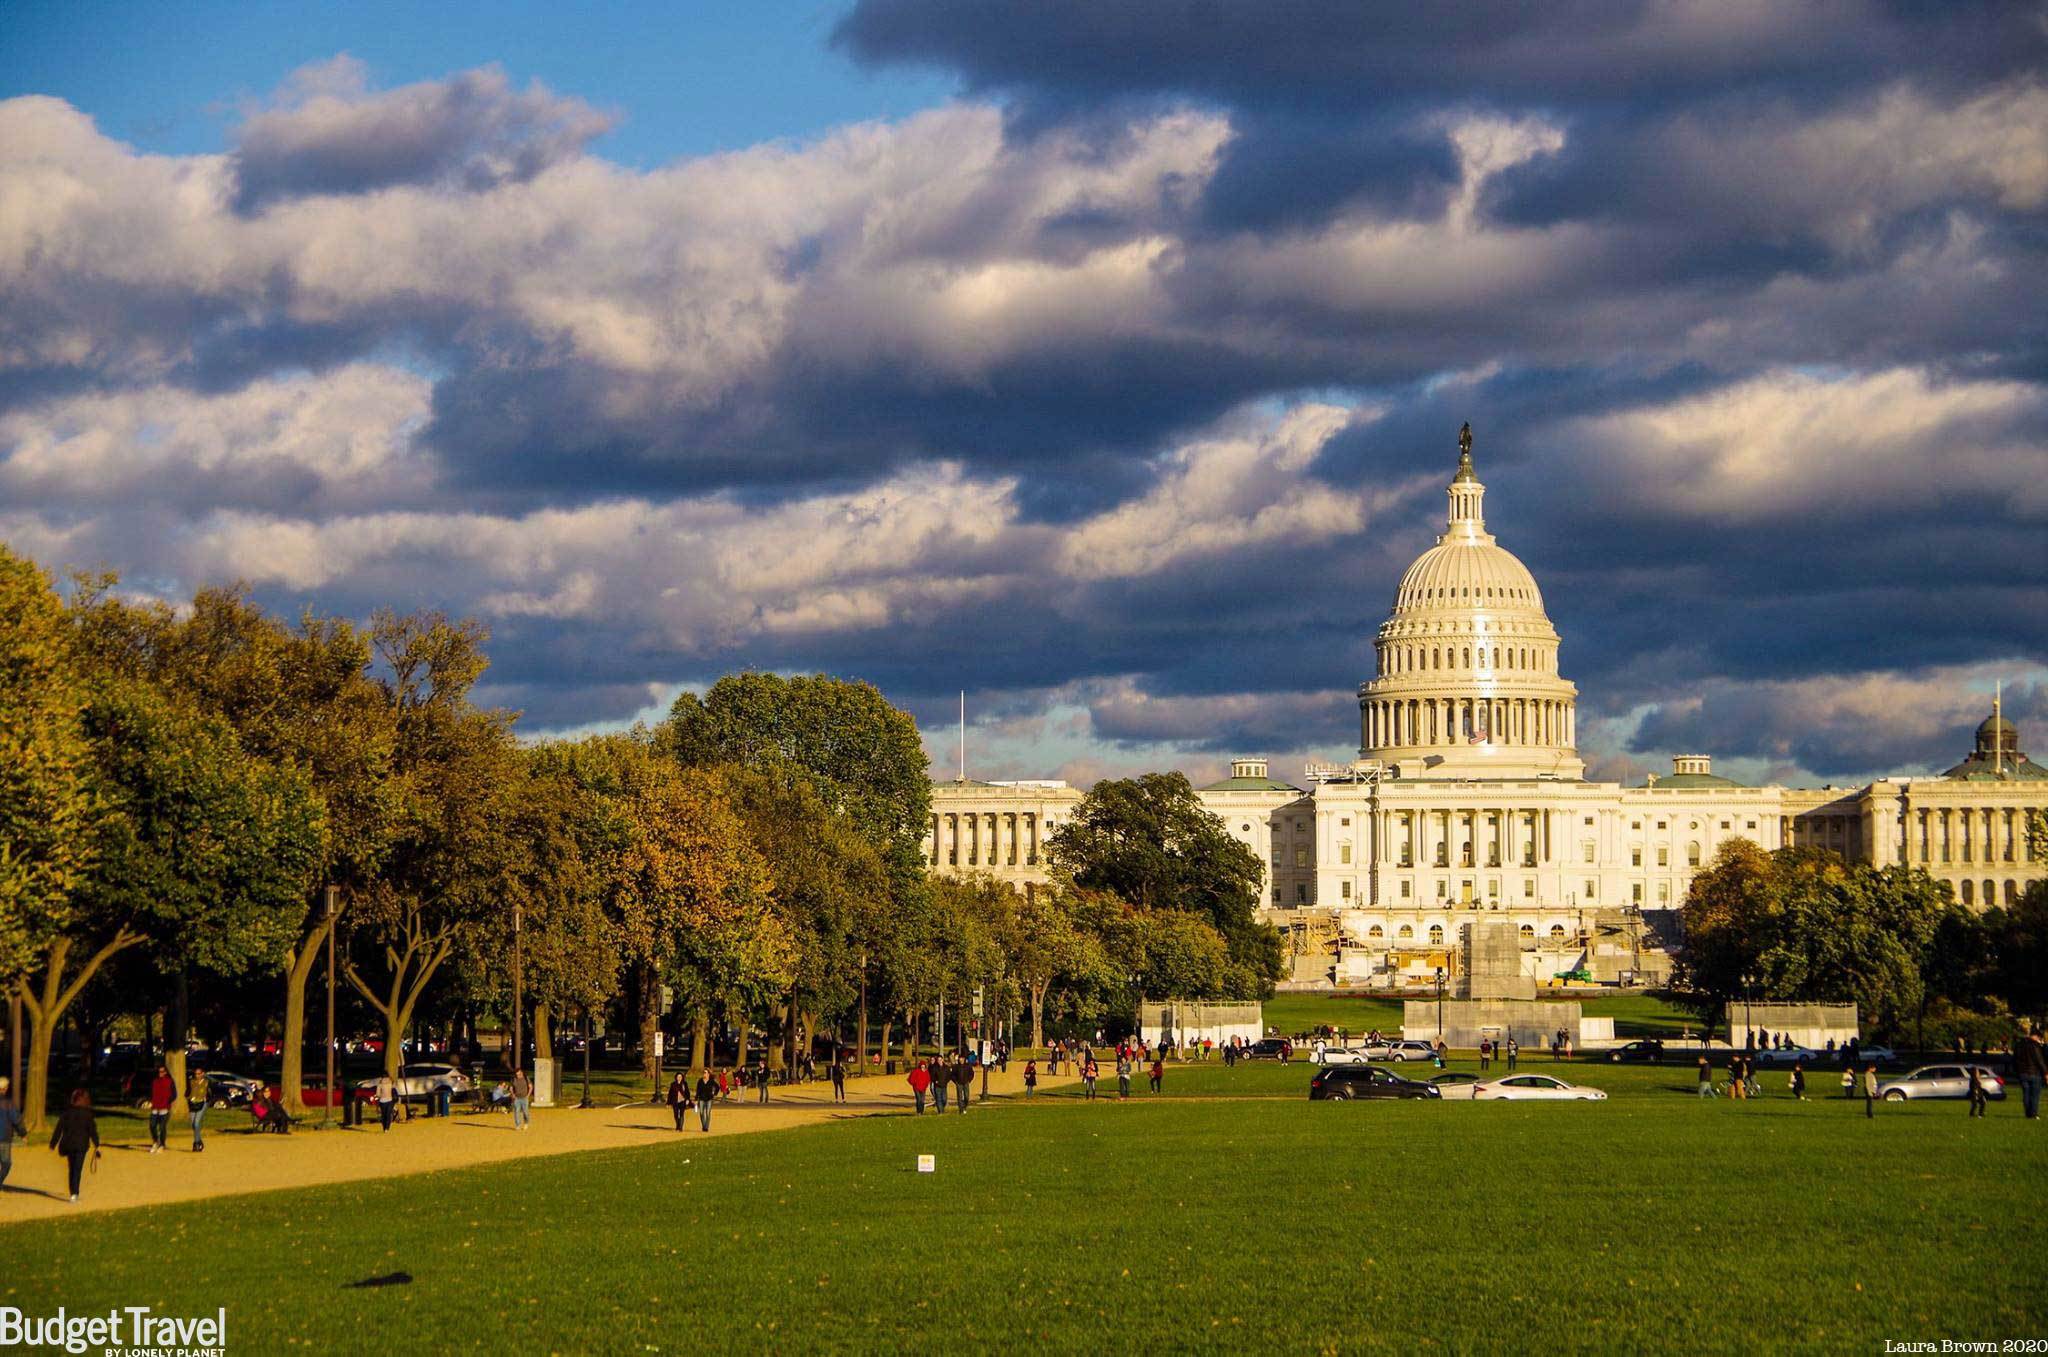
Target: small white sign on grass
[{"x": 927, "y": 1163}]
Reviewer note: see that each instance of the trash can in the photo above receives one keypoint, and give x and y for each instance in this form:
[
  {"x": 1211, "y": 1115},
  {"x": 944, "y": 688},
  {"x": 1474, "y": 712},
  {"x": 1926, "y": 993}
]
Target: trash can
[
  {"x": 443, "y": 1095},
  {"x": 892, "y": 1066}
]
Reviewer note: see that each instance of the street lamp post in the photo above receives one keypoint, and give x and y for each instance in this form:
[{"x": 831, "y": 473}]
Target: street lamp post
[
  {"x": 1748, "y": 1019},
  {"x": 331, "y": 901},
  {"x": 1439, "y": 1003}
]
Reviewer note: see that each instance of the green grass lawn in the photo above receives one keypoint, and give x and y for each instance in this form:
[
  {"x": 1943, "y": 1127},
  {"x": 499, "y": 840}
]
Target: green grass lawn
[{"x": 1651, "y": 1220}]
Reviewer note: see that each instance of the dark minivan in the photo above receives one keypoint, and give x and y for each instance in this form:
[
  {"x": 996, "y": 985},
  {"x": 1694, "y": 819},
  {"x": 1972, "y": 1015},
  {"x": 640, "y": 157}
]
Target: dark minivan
[{"x": 1340, "y": 1083}]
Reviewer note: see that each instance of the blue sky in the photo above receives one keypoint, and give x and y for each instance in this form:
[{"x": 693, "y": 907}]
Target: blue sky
[
  {"x": 688, "y": 78},
  {"x": 1102, "y": 361}
]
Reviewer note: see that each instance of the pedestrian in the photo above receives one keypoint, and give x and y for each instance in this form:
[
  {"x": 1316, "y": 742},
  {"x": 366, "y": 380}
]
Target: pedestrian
[
  {"x": 1736, "y": 1087},
  {"x": 920, "y": 1080},
  {"x": 1706, "y": 1078},
  {"x": 198, "y": 1089},
  {"x": 1848, "y": 1083},
  {"x": 2030, "y": 1067},
  {"x": 725, "y": 1085},
  {"x": 1869, "y": 1091},
  {"x": 522, "y": 1089},
  {"x": 1514, "y": 1051},
  {"x": 1123, "y": 1076},
  {"x": 76, "y": 1133},
  {"x": 1158, "y": 1073},
  {"x": 11, "y": 1126},
  {"x": 1030, "y": 1077},
  {"x": 1441, "y": 1051},
  {"x": 162, "y": 1093},
  {"x": 838, "y": 1071},
  {"x": 761, "y": 1079},
  {"x": 1977, "y": 1094},
  {"x": 706, "y": 1091},
  {"x": 678, "y": 1101},
  {"x": 1088, "y": 1074},
  {"x": 1485, "y": 1053},
  {"x": 1797, "y": 1082},
  {"x": 942, "y": 1084},
  {"x": 387, "y": 1099}
]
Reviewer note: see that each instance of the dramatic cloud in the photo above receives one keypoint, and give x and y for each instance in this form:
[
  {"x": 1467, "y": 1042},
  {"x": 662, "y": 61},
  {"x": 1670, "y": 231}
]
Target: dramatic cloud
[{"x": 1119, "y": 394}]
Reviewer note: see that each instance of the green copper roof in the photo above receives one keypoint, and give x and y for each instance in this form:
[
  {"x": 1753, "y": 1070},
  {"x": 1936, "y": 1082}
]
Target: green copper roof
[
  {"x": 1979, "y": 768},
  {"x": 1249, "y": 784},
  {"x": 1683, "y": 780}
]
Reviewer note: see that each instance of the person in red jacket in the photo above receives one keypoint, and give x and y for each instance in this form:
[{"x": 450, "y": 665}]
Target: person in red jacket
[
  {"x": 920, "y": 1080},
  {"x": 162, "y": 1093}
]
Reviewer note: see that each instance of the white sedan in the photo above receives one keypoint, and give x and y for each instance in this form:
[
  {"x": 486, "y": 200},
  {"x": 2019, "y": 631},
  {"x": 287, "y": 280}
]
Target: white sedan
[
  {"x": 1534, "y": 1086},
  {"x": 1342, "y": 1055}
]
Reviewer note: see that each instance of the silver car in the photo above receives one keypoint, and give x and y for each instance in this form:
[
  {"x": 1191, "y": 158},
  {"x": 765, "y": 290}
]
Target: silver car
[
  {"x": 1940, "y": 1081},
  {"x": 417, "y": 1083}
]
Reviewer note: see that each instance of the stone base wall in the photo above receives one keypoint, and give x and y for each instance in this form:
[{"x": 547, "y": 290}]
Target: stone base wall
[
  {"x": 1532, "y": 1022},
  {"x": 1811, "y": 1025}
]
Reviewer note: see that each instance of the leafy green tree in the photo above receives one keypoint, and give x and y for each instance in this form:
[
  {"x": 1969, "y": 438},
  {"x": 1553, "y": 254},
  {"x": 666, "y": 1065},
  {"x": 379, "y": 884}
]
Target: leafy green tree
[
  {"x": 451, "y": 857},
  {"x": 2016, "y": 939},
  {"x": 45, "y": 804},
  {"x": 863, "y": 755},
  {"x": 1728, "y": 918},
  {"x": 203, "y": 852},
  {"x": 1150, "y": 842}
]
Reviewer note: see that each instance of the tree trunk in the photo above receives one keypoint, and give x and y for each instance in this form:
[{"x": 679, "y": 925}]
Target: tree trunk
[
  {"x": 650, "y": 1024},
  {"x": 886, "y": 1025},
  {"x": 860, "y": 1040},
  {"x": 543, "y": 1033},
  {"x": 700, "y": 1041},
  {"x": 46, "y": 1011},
  {"x": 298, "y": 969},
  {"x": 1038, "y": 1016}
]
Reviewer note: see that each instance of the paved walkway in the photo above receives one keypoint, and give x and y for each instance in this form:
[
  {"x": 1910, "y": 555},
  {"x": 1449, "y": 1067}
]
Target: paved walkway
[{"x": 237, "y": 1160}]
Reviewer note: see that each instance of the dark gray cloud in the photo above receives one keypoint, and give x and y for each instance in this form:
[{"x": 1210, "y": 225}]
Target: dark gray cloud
[{"x": 328, "y": 134}]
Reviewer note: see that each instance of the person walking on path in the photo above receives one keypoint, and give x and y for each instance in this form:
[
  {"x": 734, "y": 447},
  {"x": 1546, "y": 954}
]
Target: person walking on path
[
  {"x": 963, "y": 1078},
  {"x": 522, "y": 1089},
  {"x": 1514, "y": 1051},
  {"x": 920, "y": 1080},
  {"x": 1158, "y": 1073},
  {"x": 1797, "y": 1083},
  {"x": 1123, "y": 1076},
  {"x": 1706, "y": 1078},
  {"x": 679, "y": 1101},
  {"x": 76, "y": 1134},
  {"x": 838, "y": 1072},
  {"x": 1978, "y": 1097},
  {"x": 761, "y": 1079},
  {"x": 387, "y": 1099},
  {"x": 1088, "y": 1076},
  {"x": 198, "y": 1089},
  {"x": 11, "y": 1127},
  {"x": 1869, "y": 1091},
  {"x": 2030, "y": 1067},
  {"x": 942, "y": 1084},
  {"x": 707, "y": 1090},
  {"x": 162, "y": 1093},
  {"x": 1030, "y": 1077},
  {"x": 1848, "y": 1083}
]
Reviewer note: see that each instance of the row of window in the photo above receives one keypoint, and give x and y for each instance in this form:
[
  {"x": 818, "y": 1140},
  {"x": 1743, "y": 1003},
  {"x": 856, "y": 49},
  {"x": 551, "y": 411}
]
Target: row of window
[{"x": 1414, "y": 659}]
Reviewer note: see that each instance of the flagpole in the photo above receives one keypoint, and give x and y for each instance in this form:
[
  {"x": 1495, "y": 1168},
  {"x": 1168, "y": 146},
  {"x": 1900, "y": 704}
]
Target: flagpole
[
  {"x": 963, "y": 734},
  {"x": 1997, "y": 730}
]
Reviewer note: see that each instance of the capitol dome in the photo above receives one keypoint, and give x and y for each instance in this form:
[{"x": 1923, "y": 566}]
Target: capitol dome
[{"x": 1467, "y": 682}]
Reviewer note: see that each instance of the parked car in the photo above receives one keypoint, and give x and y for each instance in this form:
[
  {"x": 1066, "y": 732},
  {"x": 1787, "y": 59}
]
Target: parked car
[
  {"x": 1790, "y": 1055},
  {"x": 1343, "y": 1055},
  {"x": 416, "y": 1083},
  {"x": 1457, "y": 1084},
  {"x": 229, "y": 1090},
  {"x": 1517, "y": 1087},
  {"x": 1410, "y": 1050},
  {"x": 1269, "y": 1048},
  {"x": 1647, "y": 1051},
  {"x": 1340, "y": 1083},
  {"x": 1872, "y": 1055},
  {"x": 1939, "y": 1081}
]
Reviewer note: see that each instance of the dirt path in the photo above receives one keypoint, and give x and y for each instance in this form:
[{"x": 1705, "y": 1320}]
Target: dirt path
[{"x": 236, "y": 1160}]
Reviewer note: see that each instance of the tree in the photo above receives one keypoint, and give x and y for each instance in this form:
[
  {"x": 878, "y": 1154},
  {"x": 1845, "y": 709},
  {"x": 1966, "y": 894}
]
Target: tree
[
  {"x": 451, "y": 858},
  {"x": 1149, "y": 841},
  {"x": 203, "y": 852},
  {"x": 45, "y": 805},
  {"x": 295, "y": 695},
  {"x": 863, "y": 756},
  {"x": 1727, "y": 917},
  {"x": 687, "y": 893}
]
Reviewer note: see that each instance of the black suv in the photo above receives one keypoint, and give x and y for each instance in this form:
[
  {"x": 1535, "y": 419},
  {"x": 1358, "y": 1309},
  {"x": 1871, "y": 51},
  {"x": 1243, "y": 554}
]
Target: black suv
[
  {"x": 1269, "y": 1048},
  {"x": 1649, "y": 1051},
  {"x": 1337, "y": 1083}
]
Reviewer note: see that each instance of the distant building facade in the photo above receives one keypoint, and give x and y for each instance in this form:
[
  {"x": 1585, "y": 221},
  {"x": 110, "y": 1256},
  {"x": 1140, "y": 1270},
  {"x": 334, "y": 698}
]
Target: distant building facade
[{"x": 1469, "y": 801}]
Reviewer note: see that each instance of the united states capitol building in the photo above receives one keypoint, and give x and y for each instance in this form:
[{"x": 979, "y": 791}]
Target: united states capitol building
[{"x": 1469, "y": 800}]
